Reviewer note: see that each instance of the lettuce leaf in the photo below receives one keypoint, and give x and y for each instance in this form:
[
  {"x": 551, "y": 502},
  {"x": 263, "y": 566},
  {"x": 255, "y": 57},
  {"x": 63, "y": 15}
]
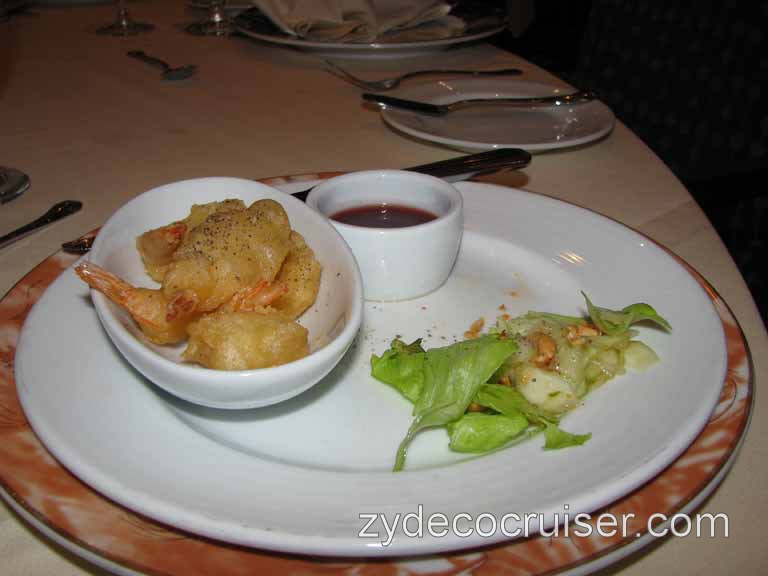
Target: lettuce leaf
[
  {"x": 615, "y": 321},
  {"x": 609, "y": 321},
  {"x": 452, "y": 376},
  {"x": 510, "y": 402},
  {"x": 478, "y": 432},
  {"x": 556, "y": 438},
  {"x": 442, "y": 382},
  {"x": 402, "y": 367}
]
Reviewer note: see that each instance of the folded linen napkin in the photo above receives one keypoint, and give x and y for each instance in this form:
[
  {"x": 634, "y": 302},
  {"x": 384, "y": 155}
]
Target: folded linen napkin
[{"x": 363, "y": 20}]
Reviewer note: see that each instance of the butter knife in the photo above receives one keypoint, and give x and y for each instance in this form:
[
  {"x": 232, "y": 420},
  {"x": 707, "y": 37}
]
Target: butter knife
[{"x": 443, "y": 109}]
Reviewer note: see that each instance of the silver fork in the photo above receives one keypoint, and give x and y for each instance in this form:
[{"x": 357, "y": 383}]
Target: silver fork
[
  {"x": 443, "y": 109},
  {"x": 390, "y": 83}
]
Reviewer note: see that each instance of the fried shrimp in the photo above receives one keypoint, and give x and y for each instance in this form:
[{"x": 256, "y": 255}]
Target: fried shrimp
[
  {"x": 247, "y": 332},
  {"x": 158, "y": 245},
  {"x": 301, "y": 273},
  {"x": 244, "y": 340},
  {"x": 146, "y": 306},
  {"x": 257, "y": 298},
  {"x": 232, "y": 281},
  {"x": 229, "y": 251}
]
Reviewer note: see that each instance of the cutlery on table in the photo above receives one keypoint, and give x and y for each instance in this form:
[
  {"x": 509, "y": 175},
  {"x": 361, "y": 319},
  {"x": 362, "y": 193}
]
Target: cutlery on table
[
  {"x": 56, "y": 212},
  {"x": 12, "y": 184},
  {"x": 169, "y": 73},
  {"x": 391, "y": 83},
  {"x": 453, "y": 169},
  {"x": 79, "y": 245},
  {"x": 443, "y": 109},
  {"x": 463, "y": 167}
]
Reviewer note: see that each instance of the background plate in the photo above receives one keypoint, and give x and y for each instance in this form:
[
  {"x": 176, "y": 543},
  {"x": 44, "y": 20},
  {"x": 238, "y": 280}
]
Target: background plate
[
  {"x": 255, "y": 25},
  {"x": 487, "y": 127}
]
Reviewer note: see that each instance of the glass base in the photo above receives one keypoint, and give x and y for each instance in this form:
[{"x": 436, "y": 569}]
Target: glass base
[
  {"x": 210, "y": 28},
  {"x": 124, "y": 26},
  {"x": 217, "y": 23}
]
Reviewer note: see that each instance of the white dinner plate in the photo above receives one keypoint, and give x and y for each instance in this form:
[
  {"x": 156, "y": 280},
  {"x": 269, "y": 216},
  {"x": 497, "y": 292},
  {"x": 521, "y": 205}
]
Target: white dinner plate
[
  {"x": 296, "y": 477},
  {"x": 496, "y": 126},
  {"x": 257, "y": 26},
  {"x": 71, "y": 2}
]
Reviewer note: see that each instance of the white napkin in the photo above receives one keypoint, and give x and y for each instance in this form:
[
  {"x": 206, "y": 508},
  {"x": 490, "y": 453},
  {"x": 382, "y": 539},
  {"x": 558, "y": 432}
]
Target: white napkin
[{"x": 363, "y": 20}]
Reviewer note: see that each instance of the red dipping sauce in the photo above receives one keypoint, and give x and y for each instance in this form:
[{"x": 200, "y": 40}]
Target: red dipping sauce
[{"x": 383, "y": 216}]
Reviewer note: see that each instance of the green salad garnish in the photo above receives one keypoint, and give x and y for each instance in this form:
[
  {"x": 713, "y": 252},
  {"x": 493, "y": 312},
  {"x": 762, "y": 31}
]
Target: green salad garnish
[{"x": 516, "y": 381}]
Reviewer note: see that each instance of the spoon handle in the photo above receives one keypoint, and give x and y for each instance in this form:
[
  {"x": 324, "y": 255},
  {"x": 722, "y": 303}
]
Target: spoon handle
[
  {"x": 57, "y": 212},
  {"x": 144, "y": 57}
]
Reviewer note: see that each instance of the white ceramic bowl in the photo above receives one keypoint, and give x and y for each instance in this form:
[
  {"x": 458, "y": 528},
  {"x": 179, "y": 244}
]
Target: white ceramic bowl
[
  {"x": 332, "y": 321},
  {"x": 396, "y": 263}
]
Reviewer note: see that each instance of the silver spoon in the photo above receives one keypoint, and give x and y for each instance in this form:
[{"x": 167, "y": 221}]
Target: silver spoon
[
  {"x": 169, "y": 73},
  {"x": 12, "y": 184},
  {"x": 57, "y": 212},
  {"x": 391, "y": 83}
]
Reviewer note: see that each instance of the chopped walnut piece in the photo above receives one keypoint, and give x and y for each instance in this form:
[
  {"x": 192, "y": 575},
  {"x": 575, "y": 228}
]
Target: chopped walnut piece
[
  {"x": 545, "y": 349},
  {"x": 475, "y": 328},
  {"x": 576, "y": 334}
]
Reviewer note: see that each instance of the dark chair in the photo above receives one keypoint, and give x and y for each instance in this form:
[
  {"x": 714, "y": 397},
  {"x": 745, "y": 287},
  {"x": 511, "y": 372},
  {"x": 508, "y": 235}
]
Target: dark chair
[{"x": 689, "y": 79}]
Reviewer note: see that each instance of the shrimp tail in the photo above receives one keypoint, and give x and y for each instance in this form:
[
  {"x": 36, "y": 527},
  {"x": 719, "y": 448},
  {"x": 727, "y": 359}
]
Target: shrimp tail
[
  {"x": 148, "y": 307},
  {"x": 111, "y": 286}
]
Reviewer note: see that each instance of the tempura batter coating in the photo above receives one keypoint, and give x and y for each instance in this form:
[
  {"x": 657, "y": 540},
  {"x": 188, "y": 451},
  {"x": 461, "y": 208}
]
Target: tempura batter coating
[
  {"x": 301, "y": 273},
  {"x": 244, "y": 340},
  {"x": 200, "y": 212},
  {"x": 229, "y": 251},
  {"x": 232, "y": 279},
  {"x": 158, "y": 245}
]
